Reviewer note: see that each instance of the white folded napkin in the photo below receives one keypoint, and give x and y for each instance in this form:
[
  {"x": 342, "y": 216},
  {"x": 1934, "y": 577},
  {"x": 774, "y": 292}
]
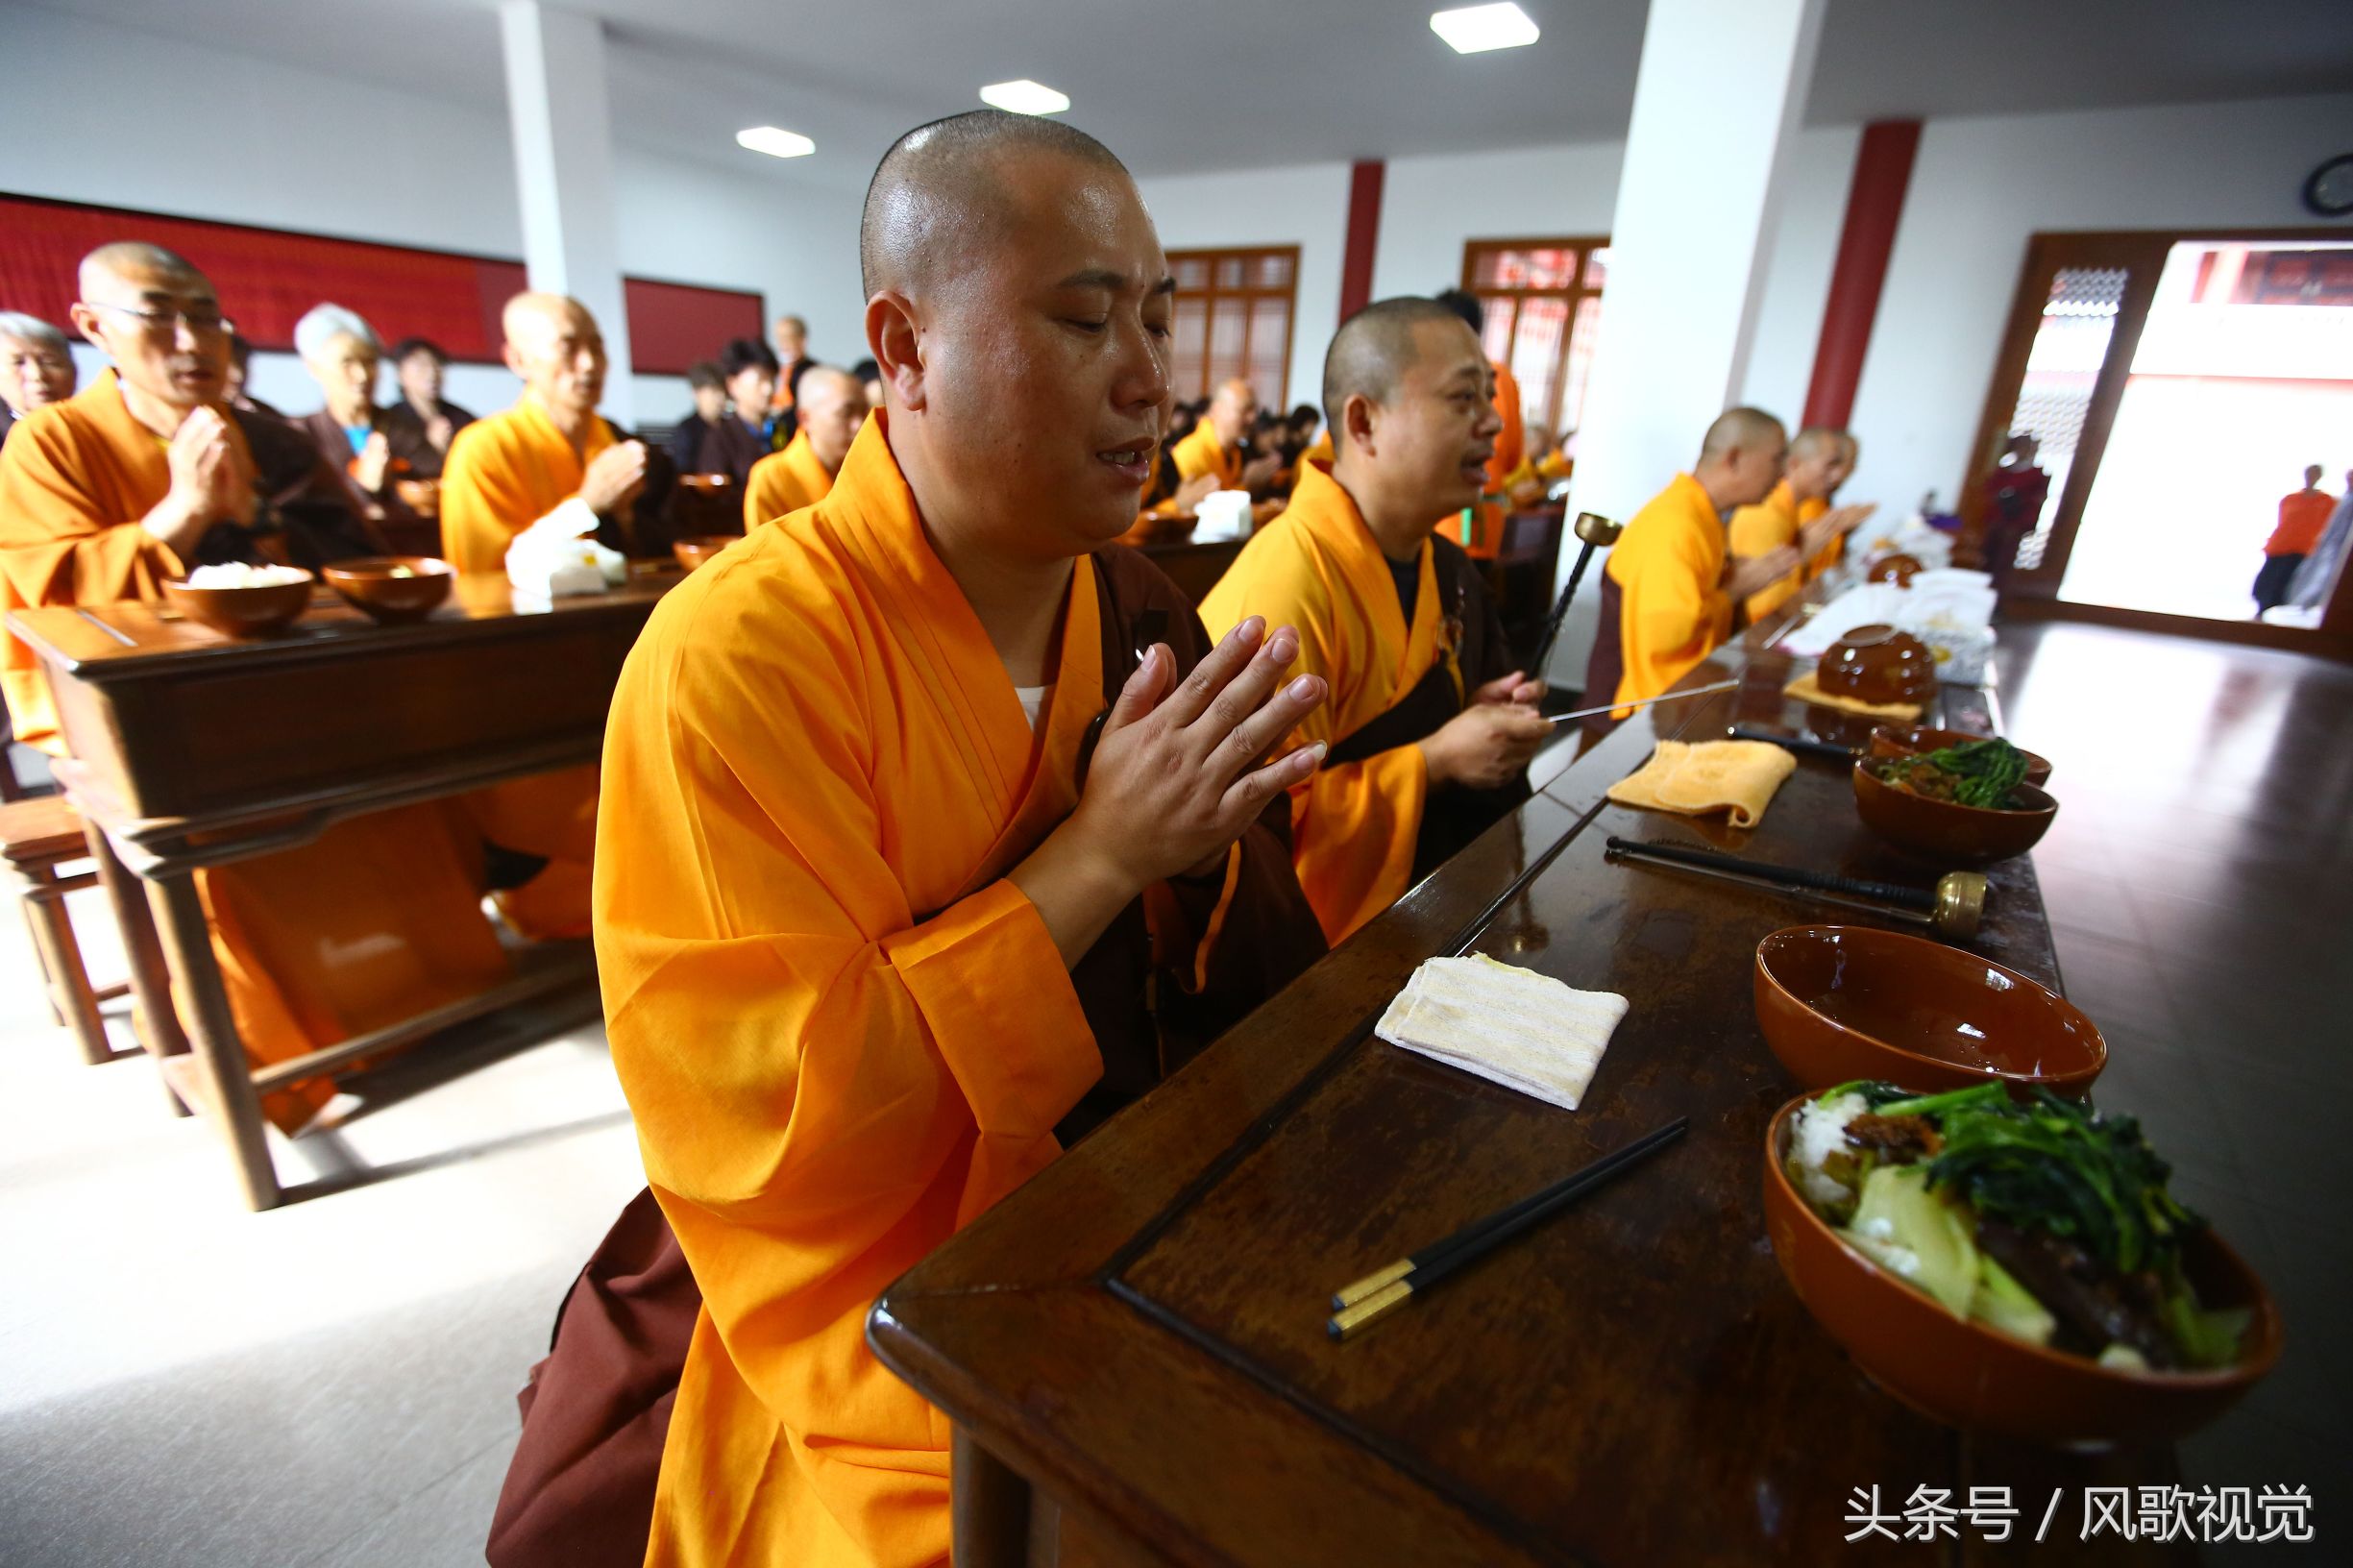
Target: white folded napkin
[
  {"x": 1511, "y": 1026},
  {"x": 1222, "y": 514},
  {"x": 554, "y": 557}
]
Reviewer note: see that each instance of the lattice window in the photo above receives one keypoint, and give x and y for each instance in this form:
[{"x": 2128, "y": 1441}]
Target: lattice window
[
  {"x": 1234, "y": 314},
  {"x": 1543, "y": 300},
  {"x": 2070, "y": 343}
]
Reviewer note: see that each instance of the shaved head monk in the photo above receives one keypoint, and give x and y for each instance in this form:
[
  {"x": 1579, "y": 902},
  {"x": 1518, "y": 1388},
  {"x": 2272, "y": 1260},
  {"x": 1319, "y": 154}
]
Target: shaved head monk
[
  {"x": 552, "y": 449},
  {"x": 911, "y": 795},
  {"x": 1798, "y": 513},
  {"x": 1217, "y": 444},
  {"x": 551, "y": 455},
  {"x": 1429, "y": 727},
  {"x": 1669, "y": 587},
  {"x": 145, "y": 475},
  {"x": 832, "y": 407}
]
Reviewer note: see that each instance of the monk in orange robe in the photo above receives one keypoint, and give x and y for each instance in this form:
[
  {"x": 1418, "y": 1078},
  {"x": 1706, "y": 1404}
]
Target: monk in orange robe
[
  {"x": 832, "y": 407},
  {"x": 1430, "y": 728},
  {"x": 1511, "y": 478},
  {"x": 1669, "y": 587},
  {"x": 873, "y": 830},
  {"x": 143, "y": 476},
  {"x": 1798, "y": 513},
  {"x": 2303, "y": 517},
  {"x": 1217, "y": 446},
  {"x": 552, "y": 453}
]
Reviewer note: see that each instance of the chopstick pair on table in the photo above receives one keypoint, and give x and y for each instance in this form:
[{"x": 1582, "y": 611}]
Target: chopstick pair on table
[{"x": 1368, "y": 1300}]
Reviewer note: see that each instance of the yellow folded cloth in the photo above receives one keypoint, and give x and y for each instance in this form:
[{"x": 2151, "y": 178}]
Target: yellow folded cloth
[
  {"x": 1806, "y": 689},
  {"x": 1509, "y": 1026},
  {"x": 1708, "y": 776}
]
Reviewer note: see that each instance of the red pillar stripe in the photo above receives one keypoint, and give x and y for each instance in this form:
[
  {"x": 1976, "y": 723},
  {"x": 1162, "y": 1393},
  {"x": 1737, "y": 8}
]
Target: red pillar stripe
[
  {"x": 1874, "y": 206},
  {"x": 1364, "y": 179}
]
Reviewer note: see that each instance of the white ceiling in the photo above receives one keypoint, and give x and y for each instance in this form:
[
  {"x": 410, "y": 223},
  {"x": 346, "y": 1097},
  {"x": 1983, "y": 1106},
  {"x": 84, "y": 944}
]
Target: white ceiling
[{"x": 1182, "y": 86}]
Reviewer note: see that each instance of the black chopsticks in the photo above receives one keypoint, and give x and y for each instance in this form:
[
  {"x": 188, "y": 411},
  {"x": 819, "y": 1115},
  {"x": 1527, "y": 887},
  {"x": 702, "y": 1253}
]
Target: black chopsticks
[
  {"x": 1368, "y": 1300},
  {"x": 1803, "y": 745}
]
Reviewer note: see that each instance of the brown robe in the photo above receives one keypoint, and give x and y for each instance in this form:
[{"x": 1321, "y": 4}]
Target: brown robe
[{"x": 406, "y": 531}]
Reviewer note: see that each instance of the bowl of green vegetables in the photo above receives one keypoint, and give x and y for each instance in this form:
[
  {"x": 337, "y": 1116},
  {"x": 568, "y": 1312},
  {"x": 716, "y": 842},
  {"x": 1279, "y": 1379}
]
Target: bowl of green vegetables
[
  {"x": 1966, "y": 804},
  {"x": 2012, "y": 1265}
]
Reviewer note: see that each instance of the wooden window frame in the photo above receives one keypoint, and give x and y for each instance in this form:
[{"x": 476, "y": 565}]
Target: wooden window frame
[
  {"x": 1213, "y": 296},
  {"x": 1573, "y": 296}
]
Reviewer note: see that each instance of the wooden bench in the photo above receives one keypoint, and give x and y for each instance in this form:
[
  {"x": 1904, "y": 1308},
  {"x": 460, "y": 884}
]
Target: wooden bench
[{"x": 38, "y": 837}]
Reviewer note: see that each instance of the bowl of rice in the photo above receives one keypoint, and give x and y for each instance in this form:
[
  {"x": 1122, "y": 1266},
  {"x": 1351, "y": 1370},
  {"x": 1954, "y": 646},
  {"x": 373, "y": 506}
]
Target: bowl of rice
[{"x": 238, "y": 599}]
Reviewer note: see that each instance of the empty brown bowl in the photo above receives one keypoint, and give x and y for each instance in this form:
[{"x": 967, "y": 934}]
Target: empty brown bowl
[
  {"x": 693, "y": 552},
  {"x": 1842, "y": 1002},
  {"x": 1899, "y": 569},
  {"x": 1946, "y": 832},
  {"x": 1918, "y": 740},
  {"x": 1879, "y": 664},
  {"x": 392, "y": 588},
  {"x": 1973, "y": 1376},
  {"x": 264, "y": 611}
]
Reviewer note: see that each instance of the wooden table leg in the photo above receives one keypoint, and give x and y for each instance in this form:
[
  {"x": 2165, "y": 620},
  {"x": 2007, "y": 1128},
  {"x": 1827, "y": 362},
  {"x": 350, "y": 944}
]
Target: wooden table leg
[
  {"x": 152, "y": 1019},
  {"x": 226, "y": 1081},
  {"x": 70, "y": 997},
  {"x": 989, "y": 1507}
]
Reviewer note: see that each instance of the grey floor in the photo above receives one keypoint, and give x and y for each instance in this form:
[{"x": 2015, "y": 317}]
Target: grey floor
[{"x": 332, "y": 1383}]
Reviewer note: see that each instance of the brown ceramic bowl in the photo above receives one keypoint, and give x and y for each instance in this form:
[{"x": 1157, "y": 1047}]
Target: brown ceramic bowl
[
  {"x": 393, "y": 588},
  {"x": 243, "y": 612},
  {"x": 422, "y": 496},
  {"x": 1842, "y": 1002},
  {"x": 1879, "y": 664},
  {"x": 693, "y": 552},
  {"x": 1971, "y": 1375},
  {"x": 1899, "y": 569},
  {"x": 1946, "y": 832},
  {"x": 1918, "y": 740}
]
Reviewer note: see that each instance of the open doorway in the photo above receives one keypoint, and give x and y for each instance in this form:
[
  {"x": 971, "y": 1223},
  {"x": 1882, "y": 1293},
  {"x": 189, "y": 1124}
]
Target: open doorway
[
  {"x": 2243, "y": 378},
  {"x": 2178, "y": 383}
]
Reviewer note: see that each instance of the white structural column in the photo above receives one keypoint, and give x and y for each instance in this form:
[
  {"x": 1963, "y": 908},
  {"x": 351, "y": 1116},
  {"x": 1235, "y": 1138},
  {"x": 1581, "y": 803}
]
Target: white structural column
[
  {"x": 1721, "y": 86},
  {"x": 557, "y": 107}
]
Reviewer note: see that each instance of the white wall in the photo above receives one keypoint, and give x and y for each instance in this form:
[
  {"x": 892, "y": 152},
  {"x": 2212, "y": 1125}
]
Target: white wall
[
  {"x": 275, "y": 152},
  {"x": 1981, "y": 186},
  {"x": 1430, "y": 206},
  {"x": 1800, "y": 254},
  {"x": 1306, "y": 206}
]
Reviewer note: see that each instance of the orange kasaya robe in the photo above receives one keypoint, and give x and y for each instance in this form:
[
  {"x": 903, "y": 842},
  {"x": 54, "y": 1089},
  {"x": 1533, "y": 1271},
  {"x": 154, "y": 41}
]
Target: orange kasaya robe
[
  {"x": 842, "y": 1031},
  {"x": 785, "y": 481},
  {"x": 1202, "y": 452},
  {"x": 1356, "y": 823},
  {"x": 2303, "y": 517},
  {"x": 1319, "y": 452},
  {"x": 1775, "y": 521},
  {"x": 505, "y": 473},
  {"x": 1669, "y": 569},
  {"x": 377, "y": 921}
]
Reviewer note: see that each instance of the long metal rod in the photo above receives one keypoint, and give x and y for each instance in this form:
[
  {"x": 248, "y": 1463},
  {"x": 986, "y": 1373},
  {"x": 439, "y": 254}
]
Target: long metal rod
[
  {"x": 1788, "y": 890},
  {"x": 1664, "y": 697}
]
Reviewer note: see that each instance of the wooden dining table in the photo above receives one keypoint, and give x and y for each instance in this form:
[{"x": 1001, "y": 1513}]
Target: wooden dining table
[
  {"x": 1133, "y": 1347},
  {"x": 192, "y": 749}
]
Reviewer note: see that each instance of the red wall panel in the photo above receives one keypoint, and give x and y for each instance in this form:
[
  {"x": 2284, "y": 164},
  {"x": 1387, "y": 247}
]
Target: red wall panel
[{"x": 267, "y": 278}]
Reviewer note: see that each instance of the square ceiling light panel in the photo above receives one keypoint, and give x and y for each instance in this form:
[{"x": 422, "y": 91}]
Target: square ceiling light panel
[
  {"x": 1024, "y": 97},
  {"x": 776, "y": 143},
  {"x": 1474, "y": 29}
]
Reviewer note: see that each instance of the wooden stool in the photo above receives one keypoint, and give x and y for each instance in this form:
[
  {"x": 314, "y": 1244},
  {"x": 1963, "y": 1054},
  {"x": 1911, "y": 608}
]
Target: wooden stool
[{"x": 36, "y": 837}]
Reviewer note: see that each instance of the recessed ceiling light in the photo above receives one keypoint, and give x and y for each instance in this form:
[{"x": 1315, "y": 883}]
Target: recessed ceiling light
[
  {"x": 776, "y": 143},
  {"x": 1024, "y": 97},
  {"x": 1476, "y": 29}
]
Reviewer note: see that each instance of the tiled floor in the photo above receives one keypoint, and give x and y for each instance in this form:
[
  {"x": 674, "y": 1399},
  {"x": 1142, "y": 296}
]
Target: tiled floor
[
  {"x": 2201, "y": 880},
  {"x": 332, "y": 1383}
]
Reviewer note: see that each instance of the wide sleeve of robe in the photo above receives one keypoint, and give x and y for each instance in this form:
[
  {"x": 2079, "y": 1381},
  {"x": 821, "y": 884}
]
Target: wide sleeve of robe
[
  {"x": 1354, "y": 823},
  {"x": 486, "y": 498},
  {"x": 60, "y": 542},
  {"x": 826, "y": 1086},
  {"x": 1671, "y": 613}
]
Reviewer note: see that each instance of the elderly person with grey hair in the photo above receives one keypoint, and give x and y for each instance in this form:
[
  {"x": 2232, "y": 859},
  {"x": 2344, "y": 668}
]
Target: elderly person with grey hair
[
  {"x": 342, "y": 353},
  {"x": 37, "y": 367}
]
